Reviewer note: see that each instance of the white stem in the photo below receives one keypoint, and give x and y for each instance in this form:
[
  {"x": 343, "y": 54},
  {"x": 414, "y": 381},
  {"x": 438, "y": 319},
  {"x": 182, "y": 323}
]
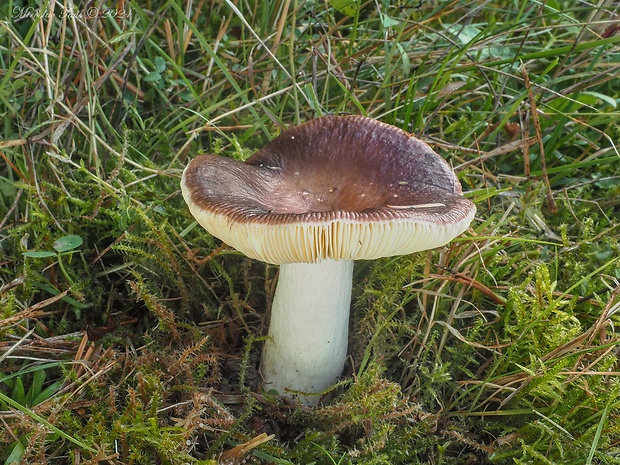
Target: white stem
[{"x": 307, "y": 342}]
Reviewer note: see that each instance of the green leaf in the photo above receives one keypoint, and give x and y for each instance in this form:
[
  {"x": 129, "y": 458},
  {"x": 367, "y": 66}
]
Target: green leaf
[
  {"x": 554, "y": 5},
  {"x": 66, "y": 243},
  {"x": 153, "y": 76},
  {"x": 605, "y": 98},
  {"x": 465, "y": 34},
  {"x": 186, "y": 95},
  {"x": 346, "y": 7},
  {"x": 19, "y": 394},
  {"x": 7, "y": 379},
  {"x": 388, "y": 21},
  {"x": 16, "y": 454},
  {"x": 48, "y": 392},
  {"x": 52, "y": 290},
  {"x": 160, "y": 64},
  {"x": 39, "y": 254},
  {"x": 38, "y": 378}
]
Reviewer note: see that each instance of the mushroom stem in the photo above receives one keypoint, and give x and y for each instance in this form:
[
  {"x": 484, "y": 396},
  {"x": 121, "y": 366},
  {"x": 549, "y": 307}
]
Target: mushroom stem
[{"x": 306, "y": 346}]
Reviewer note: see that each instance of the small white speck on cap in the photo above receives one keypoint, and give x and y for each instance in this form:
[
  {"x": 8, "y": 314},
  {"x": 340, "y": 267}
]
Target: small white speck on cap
[{"x": 421, "y": 205}]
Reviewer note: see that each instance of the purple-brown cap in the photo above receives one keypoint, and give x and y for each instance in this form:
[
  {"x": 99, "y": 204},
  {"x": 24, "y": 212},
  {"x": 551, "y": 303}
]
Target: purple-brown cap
[{"x": 336, "y": 187}]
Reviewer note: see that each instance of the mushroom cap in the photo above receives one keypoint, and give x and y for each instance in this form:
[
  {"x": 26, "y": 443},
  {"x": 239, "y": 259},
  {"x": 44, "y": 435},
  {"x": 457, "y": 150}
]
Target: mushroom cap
[{"x": 335, "y": 187}]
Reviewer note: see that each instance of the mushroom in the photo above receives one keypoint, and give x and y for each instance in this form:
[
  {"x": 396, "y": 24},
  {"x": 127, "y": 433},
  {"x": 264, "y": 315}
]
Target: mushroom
[{"x": 319, "y": 196}]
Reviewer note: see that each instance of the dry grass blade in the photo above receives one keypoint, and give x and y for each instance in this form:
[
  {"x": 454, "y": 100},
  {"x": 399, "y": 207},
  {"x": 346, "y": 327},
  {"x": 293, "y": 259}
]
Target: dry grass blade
[
  {"x": 33, "y": 311},
  {"x": 237, "y": 454},
  {"x": 551, "y": 204}
]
